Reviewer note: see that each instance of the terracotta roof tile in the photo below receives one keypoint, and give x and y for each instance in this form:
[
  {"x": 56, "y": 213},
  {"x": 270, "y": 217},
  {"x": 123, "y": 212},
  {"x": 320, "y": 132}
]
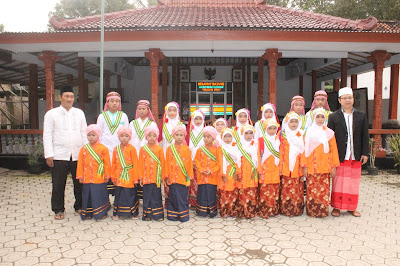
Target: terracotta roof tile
[{"x": 215, "y": 15}]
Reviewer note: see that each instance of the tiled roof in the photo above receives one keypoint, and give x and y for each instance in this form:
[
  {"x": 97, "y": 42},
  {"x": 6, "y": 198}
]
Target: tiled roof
[
  {"x": 214, "y": 15},
  {"x": 388, "y": 26}
]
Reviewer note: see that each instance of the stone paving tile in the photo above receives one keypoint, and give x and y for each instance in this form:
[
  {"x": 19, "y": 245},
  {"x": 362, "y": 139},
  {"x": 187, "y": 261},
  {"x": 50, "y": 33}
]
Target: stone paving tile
[{"x": 29, "y": 235}]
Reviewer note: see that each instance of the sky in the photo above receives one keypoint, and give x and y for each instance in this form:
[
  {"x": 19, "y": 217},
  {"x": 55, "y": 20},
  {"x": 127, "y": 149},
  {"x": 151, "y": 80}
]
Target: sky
[{"x": 26, "y": 15}]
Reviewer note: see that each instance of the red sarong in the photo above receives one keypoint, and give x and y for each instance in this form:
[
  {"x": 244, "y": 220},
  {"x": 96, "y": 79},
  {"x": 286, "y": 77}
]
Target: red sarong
[
  {"x": 268, "y": 203},
  {"x": 346, "y": 185},
  {"x": 292, "y": 196}
]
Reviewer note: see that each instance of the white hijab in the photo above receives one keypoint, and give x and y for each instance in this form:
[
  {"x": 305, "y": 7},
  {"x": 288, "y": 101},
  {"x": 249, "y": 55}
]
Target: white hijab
[
  {"x": 250, "y": 146},
  {"x": 275, "y": 144},
  {"x": 196, "y": 129},
  {"x": 295, "y": 140},
  {"x": 231, "y": 149},
  {"x": 317, "y": 135}
]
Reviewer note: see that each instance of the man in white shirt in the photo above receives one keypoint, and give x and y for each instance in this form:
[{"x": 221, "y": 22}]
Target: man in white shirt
[{"x": 64, "y": 133}]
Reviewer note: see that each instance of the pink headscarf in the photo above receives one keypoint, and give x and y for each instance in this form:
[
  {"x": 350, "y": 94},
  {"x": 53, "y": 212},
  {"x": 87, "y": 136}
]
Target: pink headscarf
[
  {"x": 112, "y": 95},
  {"x": 151, "y": 129},
  {"x": 95, "y": 128},
  {"x": 125, "y": 130},
  {"x": 297, "y": 98},
  {"x": 144, "y": 103},
  {"x": 179, "y": 128},
  {"x": 320, "y": 94},
  {"x": 213, "y": 133}
]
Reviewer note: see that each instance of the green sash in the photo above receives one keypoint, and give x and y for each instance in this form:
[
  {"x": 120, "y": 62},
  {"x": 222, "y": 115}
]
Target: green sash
[
  {"x": 197, "y": 139},
  {"x": 157, "y": 160},
  {"x": 284, "y": 134},
  {"x": 208, "y": 153},
  {"x": 125, "y": 168},
  {"x": 230, "y": 161},
  {"x": 236, "y": 135},
  {"x": 111, "y": 126},
  {"x": 268, "y": 143},
  {"x": 303, "y": 121},
  {"x": 180, "y": 163},
  {"x": 96, "y": 157},
  {"x": 139, "y": 132},
  {"x": 166, "y": 133},
  {"x": 248, "y": 158}
]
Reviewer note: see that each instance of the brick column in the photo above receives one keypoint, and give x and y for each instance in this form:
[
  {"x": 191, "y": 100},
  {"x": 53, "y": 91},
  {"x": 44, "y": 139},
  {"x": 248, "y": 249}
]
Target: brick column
[
  {"x": 164, "y": 81},
  {"x": 272, "y": 56},
  {"x": 378, "y": 58},
  {"x": 249, "y": 81},
  {"x": 33, "y": 97},
  {"x": 49, "y": 58},
  {"x": 336, "y": 84},
  {"x": 394, "y": 91},
  {"x": 70, "y": 79},
  {"x": 354, "y": 81},
  {"x": 154, "y": 55}
]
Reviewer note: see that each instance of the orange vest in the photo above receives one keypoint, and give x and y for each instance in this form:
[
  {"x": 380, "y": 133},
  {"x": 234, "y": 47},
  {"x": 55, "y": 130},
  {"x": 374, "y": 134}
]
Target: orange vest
[
  {"x": 130, "y": 156},
  {"x": 87, "y": 165}
]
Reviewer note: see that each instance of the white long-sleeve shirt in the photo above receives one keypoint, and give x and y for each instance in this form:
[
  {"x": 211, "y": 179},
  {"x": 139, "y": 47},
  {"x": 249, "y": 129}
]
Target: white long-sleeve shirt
[
  {"x": 64, "y": 133},
  {"x": 135, "y": 141},
  {"x": 108, "y": 139},
  {"x": 348, "y": 118}
]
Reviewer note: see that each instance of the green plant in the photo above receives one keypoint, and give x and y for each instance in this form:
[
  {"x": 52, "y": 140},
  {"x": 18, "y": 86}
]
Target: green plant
[
  {"x": 35, "y": 154},
  {"x": 21, "y": 141},
  {"x": 372, "y": 152},
  {"x": 394, "y": 144}
]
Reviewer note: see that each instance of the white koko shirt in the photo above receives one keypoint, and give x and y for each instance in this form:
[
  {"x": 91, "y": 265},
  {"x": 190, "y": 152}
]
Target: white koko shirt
[
  {"x": 135, "y": 141},
  {"x": 64, "y": 133}
]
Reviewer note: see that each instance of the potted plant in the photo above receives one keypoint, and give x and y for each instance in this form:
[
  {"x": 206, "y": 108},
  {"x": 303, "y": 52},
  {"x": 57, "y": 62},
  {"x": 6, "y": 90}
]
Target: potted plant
[
  {"x": 34, "y": 163},
  {"x": 394, "y": 145},
  {"x": 372, "y": 170}
]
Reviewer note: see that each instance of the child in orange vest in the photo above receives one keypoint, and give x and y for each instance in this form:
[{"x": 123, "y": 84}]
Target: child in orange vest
[
  {"x": 94, "y": 171},
  {"x": 125, "y": 176},
  {"x": 248, "y": 172},
  {"x": 291, "y": 166},
  {"x": 207, "y": 161},
  {"x": 179, "y": 172},
  {"x": 321, "y": 160},
  {"x": 268, "y": 168},
  {"x": 229, "y": 170},
  {"x": 151, "y": 174}
]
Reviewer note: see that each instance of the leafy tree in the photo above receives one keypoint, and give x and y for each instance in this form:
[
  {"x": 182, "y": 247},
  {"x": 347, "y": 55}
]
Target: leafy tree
[
  {"x": 69, "y": 9},
  {"x": 1, "y": 27},
  {"x": 284, "y": 3},
  {"x": 359, "y": 9}
]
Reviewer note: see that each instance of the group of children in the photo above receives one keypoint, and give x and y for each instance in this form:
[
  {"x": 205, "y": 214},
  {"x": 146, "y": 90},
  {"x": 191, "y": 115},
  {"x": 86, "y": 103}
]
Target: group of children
[{"x": 243, "y": 171}]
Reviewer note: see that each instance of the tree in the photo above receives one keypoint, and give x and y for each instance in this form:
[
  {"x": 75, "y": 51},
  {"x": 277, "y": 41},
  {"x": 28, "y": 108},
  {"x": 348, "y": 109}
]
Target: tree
[
  {"x": 69, "y": 9},
  {"x": 1, "y": 27},
  {"x": 359, "y": 9},
  {"x": 283, "y": 3}
]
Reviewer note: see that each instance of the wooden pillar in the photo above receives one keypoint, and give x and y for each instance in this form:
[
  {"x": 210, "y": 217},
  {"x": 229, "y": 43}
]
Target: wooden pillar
[
  {"x": 378, "y": 58},
  {"x": 354, "y": 81},
  {"x": 343, "y": 82},
  {"x": 249, "y": 81},
  {"x": 154, "y": 55},
  {"x": 314, "y": 83},
  {"x": 272, "y": 56},
  {"x": 336, "y": 84},
  {"x": 394, "y": 91},
  {"x": 49, "y": 58},
  {"x": 164, "y": 81},
  {"x": 301, "y": 85},
  {"x": 70, "y": 79},
  {"x": 86, "y": 90},
  {"x": 260, "y": 93},
  {"x": 81, "y": 82},
  {"x": 33, "y": 97}
]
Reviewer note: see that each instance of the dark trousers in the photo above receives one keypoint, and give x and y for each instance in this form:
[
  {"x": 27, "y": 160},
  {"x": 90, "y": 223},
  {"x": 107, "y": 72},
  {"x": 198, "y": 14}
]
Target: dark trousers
[{"x": 59, "y": 174}]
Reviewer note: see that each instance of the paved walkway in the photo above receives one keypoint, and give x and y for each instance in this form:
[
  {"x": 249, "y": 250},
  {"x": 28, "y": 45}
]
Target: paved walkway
[{"x": 30, "y": 235}]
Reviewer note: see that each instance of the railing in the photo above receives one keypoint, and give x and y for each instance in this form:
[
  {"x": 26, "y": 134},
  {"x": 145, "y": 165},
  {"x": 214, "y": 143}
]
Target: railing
[{"x": 19, "y": 141}]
